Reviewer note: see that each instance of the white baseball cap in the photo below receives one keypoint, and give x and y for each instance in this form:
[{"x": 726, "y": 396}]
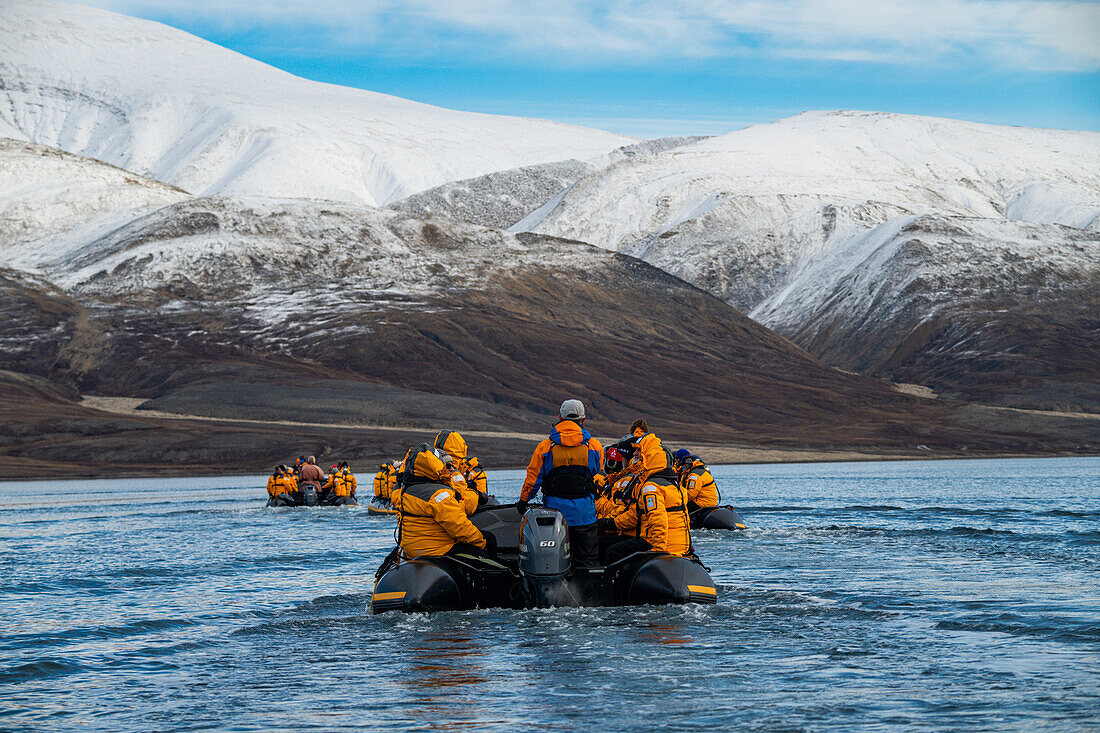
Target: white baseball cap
[{"x": 572, "y": 410}]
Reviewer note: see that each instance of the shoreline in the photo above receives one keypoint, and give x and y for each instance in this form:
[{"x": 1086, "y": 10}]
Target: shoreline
[
  {"x": 115, "y": 439},
  {"x": 750, "y": 457}
]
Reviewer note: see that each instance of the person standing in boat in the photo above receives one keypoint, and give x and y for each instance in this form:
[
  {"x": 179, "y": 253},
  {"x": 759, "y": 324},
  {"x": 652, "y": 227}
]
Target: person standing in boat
[
  {"x": 564, "y": 467},
  {"x": 310, "y": 474},
  {"x": 696, "y": 481},
  {"x": 430, "y": 521}
]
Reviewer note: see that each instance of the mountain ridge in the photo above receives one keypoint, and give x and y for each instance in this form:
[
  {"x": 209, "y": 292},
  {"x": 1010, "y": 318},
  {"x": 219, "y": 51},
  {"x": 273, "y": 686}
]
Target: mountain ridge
[{"x": 165, "y": 104}]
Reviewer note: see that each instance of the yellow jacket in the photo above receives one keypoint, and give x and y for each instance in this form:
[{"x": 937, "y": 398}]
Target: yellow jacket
[
  {"x": 659, "y": 511},
  {"x": 468, "y": 478},
  {"x": 612, "y": 501},
  {"x": 645, "y": 517},
  {"x": 283, "y": 483},
  {"x": 475, "y": 475},
  {"x": 385, "y": 480},
  {"x": 699, "y": 485},
  {"x": 430, "y": 519},
  {"x": 342, "y": 483}
]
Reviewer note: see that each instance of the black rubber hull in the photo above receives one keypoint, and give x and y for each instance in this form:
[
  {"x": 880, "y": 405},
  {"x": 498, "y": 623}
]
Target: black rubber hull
[
  {"x": 309, "y": 497},
  {"x": 454, "y": 584},
  {"x": 298, "y": 498},
  {"x": 446, "y": 584},
  {"x": 719, "y": 517},
  {"x": 339, "y": 501}
]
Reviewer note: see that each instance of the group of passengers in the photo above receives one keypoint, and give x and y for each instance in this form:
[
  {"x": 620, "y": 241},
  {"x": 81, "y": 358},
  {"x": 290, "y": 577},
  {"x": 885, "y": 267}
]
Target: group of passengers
[
  {"x": 287, "y": 486},
  {"x": 634, "y": 497},
  {"x": 461, "y": 471}
]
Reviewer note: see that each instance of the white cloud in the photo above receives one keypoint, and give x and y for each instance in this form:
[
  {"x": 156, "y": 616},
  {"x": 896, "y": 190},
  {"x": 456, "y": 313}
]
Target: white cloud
[{"x": 1014, "y": 33}]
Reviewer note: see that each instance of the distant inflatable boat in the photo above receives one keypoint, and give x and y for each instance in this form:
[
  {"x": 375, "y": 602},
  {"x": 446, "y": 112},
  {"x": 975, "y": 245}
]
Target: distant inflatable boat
[
  {"x": 308, "y": 496},
  {"x": 717, "y": 517},
  {"x": 532, "y": 569}
]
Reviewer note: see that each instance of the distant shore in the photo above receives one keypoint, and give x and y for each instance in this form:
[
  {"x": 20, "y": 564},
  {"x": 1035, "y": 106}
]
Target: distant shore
[
  {"x": 110, "y": 437},
  {"x": 714, "y": 455}
]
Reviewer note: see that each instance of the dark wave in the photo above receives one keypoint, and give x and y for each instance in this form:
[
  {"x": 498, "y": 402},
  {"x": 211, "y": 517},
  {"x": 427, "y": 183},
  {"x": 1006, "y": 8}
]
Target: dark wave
[
  {"x": 40, "y": 669},
  {"x": 1068, "y": 513},
  {"x": 874, "y": 508},
  {"x": 95, "y": 633},
  {"x": 1015, "y": 625},
  {"x": 961, "y": 531}
]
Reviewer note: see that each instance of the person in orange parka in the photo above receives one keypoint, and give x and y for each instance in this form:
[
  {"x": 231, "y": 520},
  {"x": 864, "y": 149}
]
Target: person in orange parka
[
  {"x": 341, "y": 485},
  {"x": 430, "y": 520},
  {"x": 564, "y": 468},
  {"x": 283, "y": 482},
  {"x": 467, "y": 478},
  {"x": 615, "y": 484},
  {"x": 658, "y": 510},
  {"x": 695, "y": 477},
  {"x": 385, "y": 480}
]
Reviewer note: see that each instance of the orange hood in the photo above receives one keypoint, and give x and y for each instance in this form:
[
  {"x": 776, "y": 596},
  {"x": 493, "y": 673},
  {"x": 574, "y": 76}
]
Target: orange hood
[
  {"x": 654, "y": 456},
  {"x": 569, "y": 434},
  {"x": 451, "y": 442}
]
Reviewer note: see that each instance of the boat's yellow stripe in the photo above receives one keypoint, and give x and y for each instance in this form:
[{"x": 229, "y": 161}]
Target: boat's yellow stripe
[
  {"x": 698, "y": 589},
  {"x": 389, "y": 596},
  {"x": 739, "y": 526}
]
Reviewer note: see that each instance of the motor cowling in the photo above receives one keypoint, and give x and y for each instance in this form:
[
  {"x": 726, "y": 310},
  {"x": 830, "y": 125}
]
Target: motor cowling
[
  {"x": 544, "y": 558},
  {"x": 309, "y": 495}
]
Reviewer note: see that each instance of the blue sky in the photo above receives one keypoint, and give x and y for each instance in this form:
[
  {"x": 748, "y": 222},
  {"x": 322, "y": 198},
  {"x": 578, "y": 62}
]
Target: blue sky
[{"x": 651, "y": 68}]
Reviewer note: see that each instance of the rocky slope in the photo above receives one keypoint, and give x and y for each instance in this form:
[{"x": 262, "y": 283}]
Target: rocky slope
[
  {"x": 502, "y": 199},
  {"x": 771, "y": 218},
  {"x": 999, "y": 311},
  {"x": 462, "y": 310},
  {"x": 268, "y": 309},
  {"x": 170, "y": 106},
  {"x": 499, "y": 199}
]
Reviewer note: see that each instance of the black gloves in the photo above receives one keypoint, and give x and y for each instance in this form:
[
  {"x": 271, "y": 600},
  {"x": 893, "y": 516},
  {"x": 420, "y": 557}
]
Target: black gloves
[
  {"x": 490, "y": 542},
  {"x": 521, "y": 507},
  {"x": 606, "y": 526}
]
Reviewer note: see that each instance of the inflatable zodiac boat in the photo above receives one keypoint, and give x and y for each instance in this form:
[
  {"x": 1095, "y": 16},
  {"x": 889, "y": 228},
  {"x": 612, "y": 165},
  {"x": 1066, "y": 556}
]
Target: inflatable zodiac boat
[
  {"x": 309, "y": 497},
  {"x": 532, "y": 569},
  {"x": 716, "y": 517}
]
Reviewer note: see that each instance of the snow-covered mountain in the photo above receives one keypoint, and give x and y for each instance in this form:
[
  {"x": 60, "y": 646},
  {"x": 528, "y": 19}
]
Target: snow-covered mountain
[
  {"x": 739, "y": 213},
  {"x": 788, "y": 221},
  {"x": 44, "y": 191},
  {"x": 991, "y": 310},
  {"x": 501, "y": 199},
  {"x": 173, "y": 107},
  {"x": 271, "y": 308}
]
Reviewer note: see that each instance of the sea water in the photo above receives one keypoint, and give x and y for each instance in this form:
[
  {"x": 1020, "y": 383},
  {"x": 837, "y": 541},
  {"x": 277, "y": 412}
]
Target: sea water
[{"x": 960, "y": 595}]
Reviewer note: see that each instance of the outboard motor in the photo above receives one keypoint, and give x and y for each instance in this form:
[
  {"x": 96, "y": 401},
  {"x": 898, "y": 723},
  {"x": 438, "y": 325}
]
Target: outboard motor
[
  {"x": 309, "y": 495},
  {"x": 544, "y": 559}
]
